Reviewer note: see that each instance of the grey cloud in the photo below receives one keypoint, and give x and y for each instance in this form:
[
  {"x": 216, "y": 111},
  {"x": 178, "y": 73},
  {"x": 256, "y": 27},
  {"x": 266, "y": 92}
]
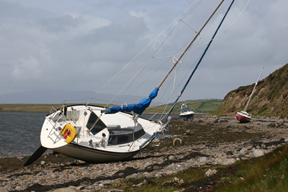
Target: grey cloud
[{"x": 82, "y": 44}]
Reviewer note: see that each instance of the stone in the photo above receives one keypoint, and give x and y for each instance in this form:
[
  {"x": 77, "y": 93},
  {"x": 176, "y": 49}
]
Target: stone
[
  {"x": 171, "y": 157},
  {"x": 257, "y": 153},
  {"x": 272, "y": 125},
  {"x": 228, "y": 161},
  {"x": 202, "y": 160},
  {"x": 243, "y": 151},
  {"x": 66, "y": 189},
  {"x": 210, "y": 172},
  {"x": 3, "y": 189},
  {"x": 280, "y": 122}
]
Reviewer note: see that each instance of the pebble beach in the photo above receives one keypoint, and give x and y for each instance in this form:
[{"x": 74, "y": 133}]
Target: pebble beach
[{"x": 203, "y": 140}]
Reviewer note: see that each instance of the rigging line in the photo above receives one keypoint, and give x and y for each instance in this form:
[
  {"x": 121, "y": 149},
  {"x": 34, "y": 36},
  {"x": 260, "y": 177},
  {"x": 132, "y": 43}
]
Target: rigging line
[
  {"x": 178, "y": 67},
  {"x": 190, "y": 44},
  {"x": 188, "y": 26},
  {"x": 172, "y": 91},
  {"x": 234, "y": 20},
  {"x": 167, "y": 40},
  {"x": 200, "y": 60},
  {"x": 197, "y": 34},
  {"x": 185, "y": 22},
  {"x": 201, "y": 36},
  {"x": 133, "y": 79},
  {"x": 148, "y": 77},
  {"x": 120, "y": 71},
  {"x": 223, "y": 30},
  {"x": 135, "y": 76},
  {"x": 127, "y": 83},
  {"x": 203, "y": 1},
  {"x": 190, "y": 50},
  {"x": 187, "y": 53},
  {"x": 188, "y": 72},
  {"x": 138, "y": 54},
  {"x": 164, "y": 93}
]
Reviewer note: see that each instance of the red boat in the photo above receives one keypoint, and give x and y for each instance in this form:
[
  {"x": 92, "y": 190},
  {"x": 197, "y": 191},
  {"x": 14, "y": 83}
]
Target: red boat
[{"x": 243, "y": 117}]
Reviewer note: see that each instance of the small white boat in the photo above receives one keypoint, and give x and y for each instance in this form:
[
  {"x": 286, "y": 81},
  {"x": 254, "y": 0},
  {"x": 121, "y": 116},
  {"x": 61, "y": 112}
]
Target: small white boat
[
  {"x": 99, "y": 134},
  {"x": 185, "y": 112}
]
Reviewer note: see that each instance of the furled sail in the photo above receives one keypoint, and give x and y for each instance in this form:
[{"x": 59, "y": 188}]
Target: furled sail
[{"x": 137, "y": 108}]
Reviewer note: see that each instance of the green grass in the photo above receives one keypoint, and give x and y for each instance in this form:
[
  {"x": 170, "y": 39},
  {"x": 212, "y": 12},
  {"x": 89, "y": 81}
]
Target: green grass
[
  {"x": 198, "y": 106},
  {"x": 266, "y": 174}
]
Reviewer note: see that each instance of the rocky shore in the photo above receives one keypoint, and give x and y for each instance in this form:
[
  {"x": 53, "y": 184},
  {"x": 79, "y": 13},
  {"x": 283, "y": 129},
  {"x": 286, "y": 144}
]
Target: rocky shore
[{"x": 205, "y": 140}]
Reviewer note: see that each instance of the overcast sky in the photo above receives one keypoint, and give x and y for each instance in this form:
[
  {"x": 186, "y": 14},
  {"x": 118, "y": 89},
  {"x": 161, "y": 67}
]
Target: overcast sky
[{"x": 82, "y": 44}]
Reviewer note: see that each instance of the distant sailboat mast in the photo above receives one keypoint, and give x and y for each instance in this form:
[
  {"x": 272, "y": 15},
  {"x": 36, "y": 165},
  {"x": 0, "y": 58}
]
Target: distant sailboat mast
[{"x": 253, "y": 90}]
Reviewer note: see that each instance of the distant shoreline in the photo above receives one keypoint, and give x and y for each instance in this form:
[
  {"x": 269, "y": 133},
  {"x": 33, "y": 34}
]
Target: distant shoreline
[
  {"x": 198, "y": 106},
  {"x": 1, "y": 111}
]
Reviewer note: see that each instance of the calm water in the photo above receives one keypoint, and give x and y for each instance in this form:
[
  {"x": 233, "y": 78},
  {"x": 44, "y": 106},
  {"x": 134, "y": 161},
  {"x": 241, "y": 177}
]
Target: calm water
[{"x": 20, "y": 133}]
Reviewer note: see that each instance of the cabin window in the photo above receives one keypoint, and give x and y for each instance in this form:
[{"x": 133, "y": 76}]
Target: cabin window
[
  {"x": 99, "y": 126},
  {"x": 120, "y": 138}
]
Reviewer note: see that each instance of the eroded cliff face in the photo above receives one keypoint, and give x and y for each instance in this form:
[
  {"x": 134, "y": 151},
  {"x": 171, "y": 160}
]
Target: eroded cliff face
[{"x": 269, "y": 98}]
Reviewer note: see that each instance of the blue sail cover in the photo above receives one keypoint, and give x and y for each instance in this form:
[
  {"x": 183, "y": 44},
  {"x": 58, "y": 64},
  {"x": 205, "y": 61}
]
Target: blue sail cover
[{"x": 138, "y": 108}]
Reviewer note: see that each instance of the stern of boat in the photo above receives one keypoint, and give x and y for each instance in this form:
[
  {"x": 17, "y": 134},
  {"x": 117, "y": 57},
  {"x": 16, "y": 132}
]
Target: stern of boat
[{"x": 62, "y": 126}]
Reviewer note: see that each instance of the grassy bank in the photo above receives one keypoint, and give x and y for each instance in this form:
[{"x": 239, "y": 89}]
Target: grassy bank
[{"x": 268, "y": 173}]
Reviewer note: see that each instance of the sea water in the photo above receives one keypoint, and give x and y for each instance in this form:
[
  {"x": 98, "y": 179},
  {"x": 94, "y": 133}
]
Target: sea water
[{"x": 20, "y": 133}]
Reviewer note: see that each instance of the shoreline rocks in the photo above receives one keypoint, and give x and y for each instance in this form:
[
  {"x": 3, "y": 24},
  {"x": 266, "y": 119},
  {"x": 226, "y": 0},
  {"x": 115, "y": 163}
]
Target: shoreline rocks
[{"x": 205, "y": 141}]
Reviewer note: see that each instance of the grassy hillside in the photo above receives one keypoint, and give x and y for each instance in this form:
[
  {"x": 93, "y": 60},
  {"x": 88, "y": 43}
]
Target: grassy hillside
[
  {"x": 199, "y": 106},
  {"x": 269, "y": 98}
]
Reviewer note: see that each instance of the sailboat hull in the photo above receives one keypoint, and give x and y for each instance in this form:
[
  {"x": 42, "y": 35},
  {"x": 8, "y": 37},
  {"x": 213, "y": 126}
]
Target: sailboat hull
[
  {"x": 98, "y": 137},
  {"x": 242, "y": 117},
  {"x": 93, "y": 155},
  {"x": 186, "y": 115}
]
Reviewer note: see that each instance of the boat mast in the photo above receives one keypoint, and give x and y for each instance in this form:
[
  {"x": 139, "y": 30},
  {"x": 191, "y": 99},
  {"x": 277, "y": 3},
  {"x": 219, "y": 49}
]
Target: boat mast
[
  {"x": 253, "y": 90},
  {"x": 195, "y": 37},
  {"x": 199, "y": 61}
]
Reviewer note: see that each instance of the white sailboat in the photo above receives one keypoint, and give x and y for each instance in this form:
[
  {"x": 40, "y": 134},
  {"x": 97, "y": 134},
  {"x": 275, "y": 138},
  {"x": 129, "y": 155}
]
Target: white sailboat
[
  {"x": 98, "y": 134},
  {"x": 243, "y": 116}
]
